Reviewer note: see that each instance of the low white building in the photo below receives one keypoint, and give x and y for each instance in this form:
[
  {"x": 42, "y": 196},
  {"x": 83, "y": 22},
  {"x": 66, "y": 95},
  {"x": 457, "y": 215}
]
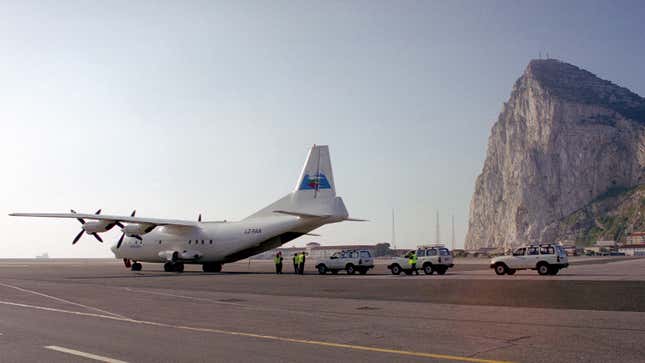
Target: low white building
[{"x": 633, "y": 249}]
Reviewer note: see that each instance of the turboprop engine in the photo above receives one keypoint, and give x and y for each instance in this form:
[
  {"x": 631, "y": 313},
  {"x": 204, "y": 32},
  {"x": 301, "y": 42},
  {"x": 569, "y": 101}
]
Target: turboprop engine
[
  {"x": 137, "y": 229},
  {"x": 94, "y": 228}
]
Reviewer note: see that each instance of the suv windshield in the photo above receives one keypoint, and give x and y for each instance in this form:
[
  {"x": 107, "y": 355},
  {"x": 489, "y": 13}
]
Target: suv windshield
[
  {"x": 444, "y": 252},
  {"x": 365, "y": 254},
  {"x": 519, "y": 251}
]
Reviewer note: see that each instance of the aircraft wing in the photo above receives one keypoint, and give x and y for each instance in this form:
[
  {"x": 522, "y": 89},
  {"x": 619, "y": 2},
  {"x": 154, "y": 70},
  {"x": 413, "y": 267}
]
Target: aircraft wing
[{"x": 105, "y": 217}]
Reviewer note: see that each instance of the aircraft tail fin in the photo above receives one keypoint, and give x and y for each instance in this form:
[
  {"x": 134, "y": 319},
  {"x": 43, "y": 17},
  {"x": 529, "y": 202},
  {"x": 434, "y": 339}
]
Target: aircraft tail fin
[
  {"x": 316, "y": 178},
  {"x": 314, "y": 194}
]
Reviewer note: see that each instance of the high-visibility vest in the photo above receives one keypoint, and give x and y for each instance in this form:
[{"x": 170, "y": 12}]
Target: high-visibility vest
[
  {"x": 277, "y": 259},
  {"x": 412, "y": 260}
]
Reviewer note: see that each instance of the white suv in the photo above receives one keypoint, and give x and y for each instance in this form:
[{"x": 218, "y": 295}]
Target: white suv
[
  {"x": 547, "y": 259},
  {"x": 351, "y": 261},
  {"x": 429, "y": 259}
]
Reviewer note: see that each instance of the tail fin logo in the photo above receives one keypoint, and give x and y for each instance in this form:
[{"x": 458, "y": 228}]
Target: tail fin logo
[{"x": 314, "y": 182}]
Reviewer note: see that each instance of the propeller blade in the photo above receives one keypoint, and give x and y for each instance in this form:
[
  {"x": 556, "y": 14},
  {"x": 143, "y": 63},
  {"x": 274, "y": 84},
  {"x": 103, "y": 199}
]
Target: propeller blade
[
  {"x": 120, "y": 241},
  {"x": 199, "y": 219},
  {"x": 78, "y": 219},
  {"x": 98, "y": 212},
  {"x": 119, "y": 224},
  {"x": 133, "y": 213},
  {"x": 78, "y": 236},
  {"x": 96, "y": 235}
]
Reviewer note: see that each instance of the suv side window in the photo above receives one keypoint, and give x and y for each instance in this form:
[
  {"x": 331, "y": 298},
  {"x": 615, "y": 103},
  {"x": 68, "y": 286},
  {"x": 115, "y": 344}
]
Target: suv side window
[
  {"x": 547, "y": 250},
  {"x": 444, "y": 252},
  {"x": 365, "y": 254},
  {"x": 421, "y": 253},
  {"x": 561, "y": 251},
  {"x": 432, "y": 252},
  {"x": 533, "y": 250},
  {"x": 519, "y": 252}
]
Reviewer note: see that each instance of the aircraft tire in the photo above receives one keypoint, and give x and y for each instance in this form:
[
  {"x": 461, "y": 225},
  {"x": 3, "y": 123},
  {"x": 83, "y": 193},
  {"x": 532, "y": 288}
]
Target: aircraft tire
[
  {"x": 178, "y": 267},
  {"x": 136, "y": 266}
]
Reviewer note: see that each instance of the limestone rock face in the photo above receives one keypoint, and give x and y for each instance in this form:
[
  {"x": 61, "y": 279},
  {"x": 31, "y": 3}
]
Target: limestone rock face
[{"x": 564, "y": 138}]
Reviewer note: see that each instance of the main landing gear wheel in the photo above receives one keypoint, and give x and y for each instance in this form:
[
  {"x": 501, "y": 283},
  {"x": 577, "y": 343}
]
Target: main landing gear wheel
[
  {"x": 211, "y": 267},
  {"x": 136, "y": 266},
  {"x": 173, "y": 267}
]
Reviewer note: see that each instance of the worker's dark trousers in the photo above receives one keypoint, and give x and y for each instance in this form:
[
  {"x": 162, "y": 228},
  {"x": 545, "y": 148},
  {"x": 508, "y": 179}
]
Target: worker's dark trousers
[
  {"x": 414, "y": 268},
  {"x": 295, "y": 268},
  {"x": 278, "y": 268},
  {"x": 301, "y": 269}
]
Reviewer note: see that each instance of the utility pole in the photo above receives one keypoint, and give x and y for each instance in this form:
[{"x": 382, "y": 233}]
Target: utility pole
[
  {"x": 438, "y": 236},
  {"x": 393, "y": 231},
  {"x": 453, "y": 232}
]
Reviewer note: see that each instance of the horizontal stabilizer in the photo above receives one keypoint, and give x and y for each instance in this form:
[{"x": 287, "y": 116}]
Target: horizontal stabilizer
[{"x": 301, "y": 215}]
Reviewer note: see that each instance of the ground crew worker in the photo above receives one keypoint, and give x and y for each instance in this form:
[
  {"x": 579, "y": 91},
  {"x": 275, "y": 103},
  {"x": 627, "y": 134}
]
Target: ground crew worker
[
  {"x": 301, "y": 263},
  {"x": 295, "y": 263},
  {"x": 412, "y": 261},
  {"x": 278, "y": 262}
]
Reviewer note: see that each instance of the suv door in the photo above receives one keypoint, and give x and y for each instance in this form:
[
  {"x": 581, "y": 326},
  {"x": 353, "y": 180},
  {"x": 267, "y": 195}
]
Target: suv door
[
  {"x": 532, "y": 256},
  {"x": 365, "y": 259},
  {"x": 518, "y": 260}
]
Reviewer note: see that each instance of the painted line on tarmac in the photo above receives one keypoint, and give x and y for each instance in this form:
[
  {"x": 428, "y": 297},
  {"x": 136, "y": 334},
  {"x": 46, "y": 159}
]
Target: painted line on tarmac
[
  {"x": 78, "y": 353},
  {"x": 183, "y": 297},
  {"x": 319, "y": 343},
  {"x": 61, "y": 300}
]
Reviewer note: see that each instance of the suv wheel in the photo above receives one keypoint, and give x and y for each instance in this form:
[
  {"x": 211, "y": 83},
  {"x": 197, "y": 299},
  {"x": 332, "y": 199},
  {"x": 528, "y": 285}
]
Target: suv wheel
[
  {"x": 543, "y": 268},
  {"x": 427, "y": 269},
  {"x": 322, "y": 269},
  {"x": 350, "y": 269},
  {"x": 363, "y": 271},
  {"x": 442, "y": 270},
  {"x": 500, "y": 269},
  {"x": 553, "y": 270},
  {"x": 396, "y": 270}
]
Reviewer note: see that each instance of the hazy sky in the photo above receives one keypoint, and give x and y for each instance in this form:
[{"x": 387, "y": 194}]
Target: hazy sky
[{"x": 178, "y": 108}]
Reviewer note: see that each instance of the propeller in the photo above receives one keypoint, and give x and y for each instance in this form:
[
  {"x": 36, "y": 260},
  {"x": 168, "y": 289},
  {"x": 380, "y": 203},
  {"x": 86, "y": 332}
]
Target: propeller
[
  {"x": 82, "y": 221},
  {"x": 199, "y": 219},
  {"x": 123, "y": 235}
]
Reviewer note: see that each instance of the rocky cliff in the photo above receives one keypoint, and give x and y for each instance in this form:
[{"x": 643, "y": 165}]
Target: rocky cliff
[{"x": 564, "y": 139}]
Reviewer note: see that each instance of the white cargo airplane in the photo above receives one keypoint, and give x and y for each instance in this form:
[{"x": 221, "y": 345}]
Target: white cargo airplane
[{"x": 313, "y": 203}]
